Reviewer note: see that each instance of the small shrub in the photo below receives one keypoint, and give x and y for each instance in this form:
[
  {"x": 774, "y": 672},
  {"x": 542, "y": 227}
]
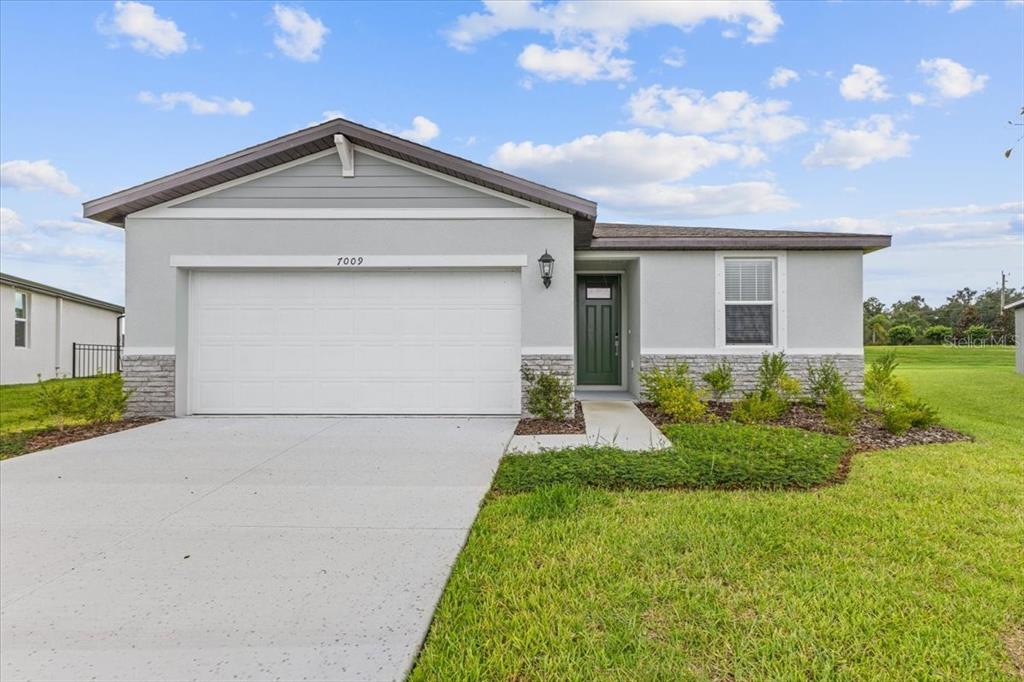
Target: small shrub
[
  {"x": 789, "y": 388},
  {"x": 902, "y": 334},
  {"x": 548, "y": 396},
  {"x": 921, "y": 413},
  {"x": 58, "y": 400},
  {"x": 823, "y": 380},
  {"x": 719, "y": 378},
  {"x": 103, "y": 398},
  {"x": 757, "y": 409},
  {"x": 978, "y": 332},
  {"x": 938, "y": 333},
  {"x": 896, "y": 419},
  {"x": 882, "y": 389},
  {"x": 769, "y": 374},
  {"x": 841, "y": 410},
  {"x": 674, "y": 393}
]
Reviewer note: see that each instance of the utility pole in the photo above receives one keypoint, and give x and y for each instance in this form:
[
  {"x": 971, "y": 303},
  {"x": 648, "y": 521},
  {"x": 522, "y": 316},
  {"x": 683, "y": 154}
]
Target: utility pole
[{"x": 1002, "y": 292}]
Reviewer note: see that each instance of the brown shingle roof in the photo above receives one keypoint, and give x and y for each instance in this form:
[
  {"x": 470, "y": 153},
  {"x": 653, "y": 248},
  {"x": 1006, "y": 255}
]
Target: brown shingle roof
[{"x": 631, "y": 236}]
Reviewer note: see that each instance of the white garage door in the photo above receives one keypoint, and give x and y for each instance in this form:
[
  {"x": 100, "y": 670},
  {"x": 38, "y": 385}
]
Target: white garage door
[{"x": 386, "y": 342}]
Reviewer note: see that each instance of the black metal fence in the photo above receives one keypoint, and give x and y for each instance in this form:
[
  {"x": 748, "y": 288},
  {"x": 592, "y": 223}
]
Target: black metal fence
[{"x": 90, "y": 359}]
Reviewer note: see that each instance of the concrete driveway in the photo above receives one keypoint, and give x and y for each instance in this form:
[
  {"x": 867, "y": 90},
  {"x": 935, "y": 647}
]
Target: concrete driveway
[{"x": 237, "y": 548}]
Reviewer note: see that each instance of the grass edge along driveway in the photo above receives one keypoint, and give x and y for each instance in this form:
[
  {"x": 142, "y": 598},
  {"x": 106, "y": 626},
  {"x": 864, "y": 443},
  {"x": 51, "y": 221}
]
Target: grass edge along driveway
[{"x": 908, "y": 570}]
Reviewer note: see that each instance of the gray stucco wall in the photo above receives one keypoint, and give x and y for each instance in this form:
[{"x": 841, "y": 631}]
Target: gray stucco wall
[
  {"x": 826, "y": 291},
  {"x": 49, "y": 350},
  {"x": 1018, "y": 330},
  {"x": 679, "y": 299},
  {"x": 318, "y": 183}
]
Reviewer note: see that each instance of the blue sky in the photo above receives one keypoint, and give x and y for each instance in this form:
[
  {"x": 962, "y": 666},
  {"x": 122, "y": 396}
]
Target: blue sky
[{"x": 870, "y": 117}]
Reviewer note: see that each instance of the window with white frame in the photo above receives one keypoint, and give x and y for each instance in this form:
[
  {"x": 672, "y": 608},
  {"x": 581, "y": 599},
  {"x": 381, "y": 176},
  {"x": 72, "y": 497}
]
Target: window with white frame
[
  {"x": 20, "y": 319},
  {"x": 750, "y": 301}
]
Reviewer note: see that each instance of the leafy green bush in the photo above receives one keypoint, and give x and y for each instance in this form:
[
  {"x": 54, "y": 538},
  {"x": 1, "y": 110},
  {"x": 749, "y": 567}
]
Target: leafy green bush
[
  {"x": 773, "y": 368},
  {"x": 100, "y": 399},
  {"x": 902, "y": 334},
  {"x": 921, "y": 413},
  {"x": 978, "y": 332},
  {"x": 548, "y": 396},
  {"x": 103, "y": 398},
  {"x": 719, "y": 378},
  {"x": 938, "y": 333},
  {"x": 58, "y": 400},
  {"x": 722, "y": 455},
  {"x": 841, "y": 409},
  {"x": 674, "y": 393},
  {"x": 896, "y": 419},
  {"x": 754, "y": 408},
  {"x": 882, "y": 389},
  {"x": 823, "y": 380}
]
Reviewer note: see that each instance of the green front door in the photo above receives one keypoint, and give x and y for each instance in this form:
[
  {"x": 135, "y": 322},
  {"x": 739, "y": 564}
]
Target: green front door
[{"x": 598, "y": 345}]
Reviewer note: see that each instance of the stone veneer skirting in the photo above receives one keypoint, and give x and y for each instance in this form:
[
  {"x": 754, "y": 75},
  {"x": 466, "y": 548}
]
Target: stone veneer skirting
[
  {"x": 150, "y": 378},
  {"x": 744, "y": 368},
  {"x": 560, "y": 365}
]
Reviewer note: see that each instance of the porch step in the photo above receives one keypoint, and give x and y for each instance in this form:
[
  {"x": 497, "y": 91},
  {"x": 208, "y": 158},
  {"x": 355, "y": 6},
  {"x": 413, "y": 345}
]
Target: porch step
[{"x": 609, "y": 422}]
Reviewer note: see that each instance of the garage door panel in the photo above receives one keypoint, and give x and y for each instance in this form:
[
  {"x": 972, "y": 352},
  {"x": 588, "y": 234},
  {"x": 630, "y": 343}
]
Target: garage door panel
[{"x": 406, "y": 342}]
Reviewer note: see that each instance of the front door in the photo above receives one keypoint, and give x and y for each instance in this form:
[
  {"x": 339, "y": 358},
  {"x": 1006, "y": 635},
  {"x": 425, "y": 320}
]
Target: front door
[{"x": 598, "y": 346}]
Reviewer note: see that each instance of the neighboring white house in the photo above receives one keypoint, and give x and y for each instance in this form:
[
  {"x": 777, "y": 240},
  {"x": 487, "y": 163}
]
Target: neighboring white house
[
  {"x": 39, "y": 325},
  {"x": 339, "y": 269},
  {"x": 1018, "y": 330}
]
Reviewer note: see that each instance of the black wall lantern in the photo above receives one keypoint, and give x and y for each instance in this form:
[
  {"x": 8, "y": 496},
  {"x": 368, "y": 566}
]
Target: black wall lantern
[{"x": 547, "y": 268}]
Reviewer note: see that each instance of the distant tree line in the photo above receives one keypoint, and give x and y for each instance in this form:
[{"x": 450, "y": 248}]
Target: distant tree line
[{"x": 965, "y": 317}]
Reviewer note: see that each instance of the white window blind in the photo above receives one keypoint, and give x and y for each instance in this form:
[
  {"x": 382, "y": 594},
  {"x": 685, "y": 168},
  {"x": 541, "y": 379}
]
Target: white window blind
[{"x": 749, "y": 301}]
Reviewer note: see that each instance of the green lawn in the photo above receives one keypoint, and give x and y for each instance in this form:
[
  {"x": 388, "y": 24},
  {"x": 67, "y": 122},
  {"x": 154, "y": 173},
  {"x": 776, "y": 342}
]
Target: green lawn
[
  {"x": 17, "y": 416},
  {"x": 910, "y": 570}
]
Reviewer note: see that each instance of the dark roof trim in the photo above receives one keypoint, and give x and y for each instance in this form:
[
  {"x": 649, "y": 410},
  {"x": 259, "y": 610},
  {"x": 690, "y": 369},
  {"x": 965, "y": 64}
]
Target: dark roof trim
[
  {"x": 628, "y": 237},
  {"x": 29, "y": 285},
  {"x": 113, "y": 208}
]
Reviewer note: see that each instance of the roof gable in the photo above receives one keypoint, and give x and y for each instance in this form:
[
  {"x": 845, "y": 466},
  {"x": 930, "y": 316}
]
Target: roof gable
[
  {"x": 319, "y": 182},
  {"x": 113, "y": 208}
]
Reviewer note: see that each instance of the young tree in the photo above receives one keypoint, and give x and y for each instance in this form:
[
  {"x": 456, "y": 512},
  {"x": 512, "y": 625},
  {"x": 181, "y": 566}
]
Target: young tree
[{"x": 878, "y": 328}]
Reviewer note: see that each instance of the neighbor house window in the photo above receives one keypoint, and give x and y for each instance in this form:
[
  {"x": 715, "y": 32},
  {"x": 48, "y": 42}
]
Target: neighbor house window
[
  {"x": 750, "y": 301},
  {"x": 20, "y": 319}
]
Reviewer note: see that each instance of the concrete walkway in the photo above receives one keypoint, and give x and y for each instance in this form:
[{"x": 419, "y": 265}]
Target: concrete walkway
[
  {"x": 253, "y": 549},
  {"x": 609, "y": 422}
]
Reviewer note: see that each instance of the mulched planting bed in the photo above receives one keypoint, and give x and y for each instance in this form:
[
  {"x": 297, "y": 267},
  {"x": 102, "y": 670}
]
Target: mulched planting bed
[
  {"x": 868, "y": 434},
  {"x": 51, "y": 438},
  {"x": 532, "y": 426}
]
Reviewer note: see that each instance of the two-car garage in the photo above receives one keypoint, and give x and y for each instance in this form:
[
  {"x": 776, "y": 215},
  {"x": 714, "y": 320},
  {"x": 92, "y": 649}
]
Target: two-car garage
[{"x": 349, "y": 341}]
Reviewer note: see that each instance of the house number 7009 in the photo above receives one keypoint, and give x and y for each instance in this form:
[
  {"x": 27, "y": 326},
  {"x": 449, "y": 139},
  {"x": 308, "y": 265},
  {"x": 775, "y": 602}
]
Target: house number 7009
[{"x": 350, "y": 260}]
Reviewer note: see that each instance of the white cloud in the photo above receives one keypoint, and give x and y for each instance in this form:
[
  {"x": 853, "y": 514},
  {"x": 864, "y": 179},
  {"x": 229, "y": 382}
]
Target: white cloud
[
  {"x": 83, "y": 227},
  {"x": 734, "y": 114},
  {"x": 781, "y": 77},
  {"x": 299, "y": 35},
  {"x": 576, "y": 64},
  {"x": 640, "y": 173},
  {"x": 957, "y": 5},
  {"x": 1010, "y": 207},
  {"x": 609, "y": 21},
  {"x": 674, "y": 57},
  {"x": 844, "y": 224},
  {"x": 679, "y": 202},
  {"x": 10, "y": 222},
  {"x": 326, "y": 116},
  {"x": 916, "y": 98},
  {"x": 423, "y": 130},
  {"x": 950, "y": 79},
  {"x": 35, "y": 175},
  {"x": 864, "y": 82},
  {"x": 868, "y": 141},
  {"x": 147, "y": 32},
  {"x": 587, "y": 34},
  {"x": 199, "y": 106},
  {"x": 628, "y": 157},
  {"x": 86, "y": 254}
]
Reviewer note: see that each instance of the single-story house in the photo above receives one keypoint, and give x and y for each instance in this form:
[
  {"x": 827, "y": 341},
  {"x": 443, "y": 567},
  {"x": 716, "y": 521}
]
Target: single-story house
[
  {"x": 340, "y": 269},
  {"x": 1018, "y": 330},
  {"x": 42, "y": 325}
]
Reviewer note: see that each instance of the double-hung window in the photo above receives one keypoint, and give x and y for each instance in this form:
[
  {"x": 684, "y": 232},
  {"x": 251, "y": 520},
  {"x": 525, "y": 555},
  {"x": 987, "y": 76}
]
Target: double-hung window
[
  {"x": 750, "y": 301},
  {"x": 20, "y": 319}
]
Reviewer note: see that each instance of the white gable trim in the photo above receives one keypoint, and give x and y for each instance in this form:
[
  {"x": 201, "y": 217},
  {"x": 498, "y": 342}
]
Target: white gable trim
[{"x": 347, "y": 155}]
